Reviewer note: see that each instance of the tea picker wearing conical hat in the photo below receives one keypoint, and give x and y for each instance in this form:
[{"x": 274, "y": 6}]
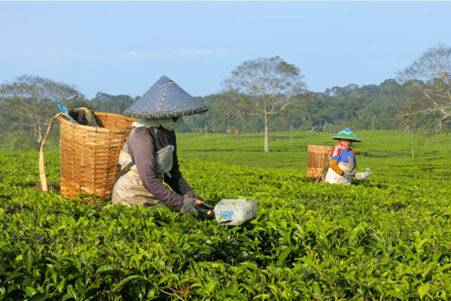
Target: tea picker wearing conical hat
[
  {"x": 342, "y": 162},
  {"x": 149, "y": 155}
]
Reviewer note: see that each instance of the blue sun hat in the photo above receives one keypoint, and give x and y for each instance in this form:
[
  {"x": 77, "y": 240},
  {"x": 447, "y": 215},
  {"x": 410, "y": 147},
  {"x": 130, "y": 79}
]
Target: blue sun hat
[
  {"x": 163, "y": 100},
  {"x": 346, "y": 134}
]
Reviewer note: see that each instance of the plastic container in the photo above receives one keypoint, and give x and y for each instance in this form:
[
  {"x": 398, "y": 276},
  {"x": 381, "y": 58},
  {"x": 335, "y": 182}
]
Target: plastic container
[{"x": 235, "y": 211}]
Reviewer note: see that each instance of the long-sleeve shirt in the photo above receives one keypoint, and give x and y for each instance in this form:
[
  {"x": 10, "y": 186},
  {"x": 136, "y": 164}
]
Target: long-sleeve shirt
[
  {"x": 341, "y": 155},
  {"x": 143, "y": 145}
]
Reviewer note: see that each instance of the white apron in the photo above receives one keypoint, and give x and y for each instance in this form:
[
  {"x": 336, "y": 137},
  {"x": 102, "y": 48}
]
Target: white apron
[
  {"x": 130, "y": 188},
  {"x": 333, "y": 178}
]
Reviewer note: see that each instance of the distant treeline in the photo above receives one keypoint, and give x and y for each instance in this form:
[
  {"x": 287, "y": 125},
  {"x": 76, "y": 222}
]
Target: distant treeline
[{"x": 370, "y": 107}]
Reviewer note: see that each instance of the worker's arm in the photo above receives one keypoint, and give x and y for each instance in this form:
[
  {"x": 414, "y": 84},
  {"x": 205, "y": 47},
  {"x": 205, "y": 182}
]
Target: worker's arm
[
  {"x": 334, "y": 165},
  {"x": 141, "y": 149}
]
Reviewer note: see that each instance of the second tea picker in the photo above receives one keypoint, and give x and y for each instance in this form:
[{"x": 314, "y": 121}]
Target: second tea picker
[{"x": 342, "y": 162}]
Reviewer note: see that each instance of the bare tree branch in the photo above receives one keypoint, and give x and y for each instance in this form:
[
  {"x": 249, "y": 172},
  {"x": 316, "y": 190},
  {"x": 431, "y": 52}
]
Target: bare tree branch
[
  {"x": 262, "y": 87},
  {"x": 427, "y": 82},
  {"x": 31, "y": 101}
]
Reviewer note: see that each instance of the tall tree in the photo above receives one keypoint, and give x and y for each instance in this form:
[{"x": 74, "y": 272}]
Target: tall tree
[
  {"x": 29, "y": 102},
  {"x": 427, "y": 81},
  {"x": 263, "y": 87}
]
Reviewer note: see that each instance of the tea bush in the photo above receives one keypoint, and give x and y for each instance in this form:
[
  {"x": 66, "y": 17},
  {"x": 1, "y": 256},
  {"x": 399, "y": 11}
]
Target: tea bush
[{"x": 387, "y": 238}]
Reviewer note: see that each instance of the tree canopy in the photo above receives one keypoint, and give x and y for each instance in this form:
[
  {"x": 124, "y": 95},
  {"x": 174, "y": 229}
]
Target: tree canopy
[
  {"x": 427, "y": 82},
  {"x": 262, "y": 94},
  {"x": 30, "y": 101},
  {"x": 262, "y": 87}
]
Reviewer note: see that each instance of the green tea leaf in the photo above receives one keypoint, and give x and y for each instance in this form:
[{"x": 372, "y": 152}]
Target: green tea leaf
[
  {"x": 316, "y": 288},
  {"x": 167, "y": 277},
  {"x": 61, "y": 285},
  {"x": 71, "y": 291},
  {"x": 125, "y": 281},
  {"x": 423, "y": 290},
  {"x": 30, "y": 291},
  {"x": 28, "y": 259},
  {"x": 283, "y": 255},
  {"x": 396, "y": 294},
  {"x": 104, "y": 268}
]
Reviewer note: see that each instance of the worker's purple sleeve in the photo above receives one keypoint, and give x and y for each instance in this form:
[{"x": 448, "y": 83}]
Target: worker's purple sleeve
[
  {"x": 177, "y": 182},
  {"x": 141, "y": 149}
]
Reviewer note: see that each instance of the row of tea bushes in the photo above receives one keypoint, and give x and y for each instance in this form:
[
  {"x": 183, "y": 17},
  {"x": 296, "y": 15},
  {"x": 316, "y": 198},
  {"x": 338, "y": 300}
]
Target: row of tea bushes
[{"x": 384, "y": 239}]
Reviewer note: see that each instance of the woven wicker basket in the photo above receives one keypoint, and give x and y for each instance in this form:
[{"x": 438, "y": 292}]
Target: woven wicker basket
[
  {"x": 89, "y": 155},
  {"x": 317, "y": 160}
]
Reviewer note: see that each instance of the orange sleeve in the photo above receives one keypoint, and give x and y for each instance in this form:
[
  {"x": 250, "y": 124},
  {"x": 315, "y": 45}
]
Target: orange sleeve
[{"x": 334, "y": 165}]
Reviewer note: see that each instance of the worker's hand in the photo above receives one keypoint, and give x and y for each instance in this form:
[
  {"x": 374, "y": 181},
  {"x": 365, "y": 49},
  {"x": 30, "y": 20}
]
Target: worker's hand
[
  {"x": 189, "y": 206},
  {"x": 363, "y": 175},
  {"x": 193, "y": 195},
  {"x": 346, "y": 175},
  {"x": 353, "y": 171}
]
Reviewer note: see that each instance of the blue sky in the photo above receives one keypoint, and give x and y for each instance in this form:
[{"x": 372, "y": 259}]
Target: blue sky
[{"x": 125, "y": 47}]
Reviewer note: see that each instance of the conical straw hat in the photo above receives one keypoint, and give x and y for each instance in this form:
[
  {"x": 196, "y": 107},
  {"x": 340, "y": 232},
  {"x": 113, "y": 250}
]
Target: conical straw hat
[
  {"x": 165, "y": 99},
  {"x": 346, "y": 134}
]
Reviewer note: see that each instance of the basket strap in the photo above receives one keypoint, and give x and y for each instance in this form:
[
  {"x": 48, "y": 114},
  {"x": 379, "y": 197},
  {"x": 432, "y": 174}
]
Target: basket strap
[
  {"x": 41, "y": 154},
  {"x": 128, "y": 166},
  {"x": 322, "y": 175},
  {"x": 124, "y": 171}
]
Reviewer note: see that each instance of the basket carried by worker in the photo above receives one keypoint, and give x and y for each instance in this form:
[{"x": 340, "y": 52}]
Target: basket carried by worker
[
  {"x": 317, "y": 160},
  {"x": 89, "y": 154}
]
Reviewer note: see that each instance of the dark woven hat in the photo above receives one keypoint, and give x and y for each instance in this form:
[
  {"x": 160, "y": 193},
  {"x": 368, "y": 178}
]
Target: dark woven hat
[{"x": 165, "y": 99}]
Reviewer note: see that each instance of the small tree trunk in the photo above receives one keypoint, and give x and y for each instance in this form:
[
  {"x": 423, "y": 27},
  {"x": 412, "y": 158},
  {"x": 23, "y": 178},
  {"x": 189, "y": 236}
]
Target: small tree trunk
[
  {"x": 266, "y": 132},
  {"x": 206, "y": 133},
  {"x": 39, "y": 138},
  {"x": 291, "y": 133},
  {"x": 411, "y": 141}
]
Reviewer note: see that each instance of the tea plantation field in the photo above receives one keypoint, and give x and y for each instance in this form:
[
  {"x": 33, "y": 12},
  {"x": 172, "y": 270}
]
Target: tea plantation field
[
  {"x": 378, "y": 148},
  {"x": 387, "y": 238}
]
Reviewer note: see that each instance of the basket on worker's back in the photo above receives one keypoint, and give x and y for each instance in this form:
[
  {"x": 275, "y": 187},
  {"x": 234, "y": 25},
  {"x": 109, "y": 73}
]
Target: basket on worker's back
[
  {"x": 89, "y": 154},
  {"x": 317, "y": 160}
]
